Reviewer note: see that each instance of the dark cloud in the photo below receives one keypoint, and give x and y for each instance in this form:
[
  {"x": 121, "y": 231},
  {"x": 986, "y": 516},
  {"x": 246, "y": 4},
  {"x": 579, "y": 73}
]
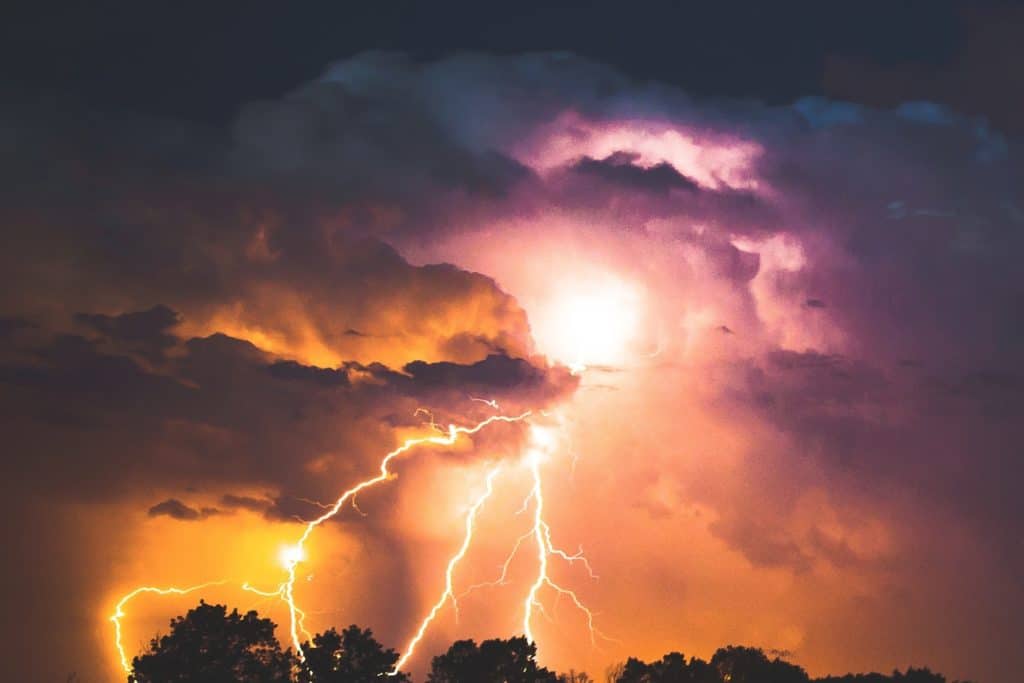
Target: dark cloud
[
  {"x": 142, "y": 326},
  {"x": 495, "y": 374},
  {"x": 147, "y": 332},
  {"x": 232, "y": 501},
  {"x": 620, "y": 169},
  {"x": 219, "y": 409},
  {"x": 9, "y": 326},
  {"x": 175, "y": 509},
  {"x": 975, "y": 81},
  {"x": 327, "y": 377},
  {"x": 761, "y": 545}
]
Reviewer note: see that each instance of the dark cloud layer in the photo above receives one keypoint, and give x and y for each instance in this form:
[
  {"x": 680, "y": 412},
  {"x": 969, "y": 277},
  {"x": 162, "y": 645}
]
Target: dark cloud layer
[
  {"x": 93, "y": 421},
  {"x": 175, "y": 509}
]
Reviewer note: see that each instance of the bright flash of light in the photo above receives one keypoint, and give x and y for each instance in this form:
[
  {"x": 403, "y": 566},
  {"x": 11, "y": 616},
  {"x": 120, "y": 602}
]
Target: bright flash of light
[
  {"x": 589, "y": 321},
  {"x": 119, "y": 612},
  {"x": 445, "y": 439},
  {"x": 449, "y": 588},
  {"x": 291, "y": 554}
]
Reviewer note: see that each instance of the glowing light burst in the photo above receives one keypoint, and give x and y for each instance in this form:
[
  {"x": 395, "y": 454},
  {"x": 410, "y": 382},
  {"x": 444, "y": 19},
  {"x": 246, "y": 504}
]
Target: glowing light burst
[
  {"x": 590, "y": 320},
  {"x": 291, "y": 554}
]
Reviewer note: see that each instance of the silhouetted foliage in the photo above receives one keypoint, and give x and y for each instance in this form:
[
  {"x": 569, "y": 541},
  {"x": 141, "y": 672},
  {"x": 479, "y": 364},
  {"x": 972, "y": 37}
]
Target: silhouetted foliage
[
  {"x": 352, "y": 656},
  {"x": 212, "y": 646},
  {"x": 751, "y": 665},
  {"x": 208, "y": 645},
  {"x": 733, "y": 664},
  {"x": 911, "y": 675},
  {"x": 672, "y": 668},
  {"x": 494, "y": 661}
]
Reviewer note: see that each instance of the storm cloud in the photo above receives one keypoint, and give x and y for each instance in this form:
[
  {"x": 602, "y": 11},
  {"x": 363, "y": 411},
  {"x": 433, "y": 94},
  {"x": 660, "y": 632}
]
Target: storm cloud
[{"x": 818, "y": 409}]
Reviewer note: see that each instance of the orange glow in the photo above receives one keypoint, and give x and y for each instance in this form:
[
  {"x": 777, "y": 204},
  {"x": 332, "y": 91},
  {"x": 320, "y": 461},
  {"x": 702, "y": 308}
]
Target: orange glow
[
  {"x": 280, "y": 593},
  {"x": 449, "y": 590},
  {"x": 290, "y": 556},
  {"x": 541, "y": 533},
  {"x": 297, "y": 552},
  {"x": 119, "y": 612},
  {"x": 542, "y": 444}
]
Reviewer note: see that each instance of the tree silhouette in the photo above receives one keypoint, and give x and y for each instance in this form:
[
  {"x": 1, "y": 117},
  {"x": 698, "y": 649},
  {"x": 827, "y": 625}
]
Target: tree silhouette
[
  {"x": 911, "y": 675},
  {"x": 672, "y": 668},
  {"x": 352, "y": 656},
  {"x": 751, "y": 665},
  {"x": 209, "y": 645},
  {"x": 212, "y": 646},
  {"x": 494, "y": 661}
]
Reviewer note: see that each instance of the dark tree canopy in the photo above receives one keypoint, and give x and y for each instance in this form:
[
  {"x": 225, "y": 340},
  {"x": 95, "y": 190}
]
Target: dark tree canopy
[
  {"x": 734, "y": 664},
  {"x": 911, "y": 675},
  {"x": 493, "y": 661},
  {"x": 751, "y": 665},
  {"x": 212, "y": 646},
  {"x": 352, "y": 656},
  {"x": 672, "y": 668},
  {"x": 209, "y": 645}
]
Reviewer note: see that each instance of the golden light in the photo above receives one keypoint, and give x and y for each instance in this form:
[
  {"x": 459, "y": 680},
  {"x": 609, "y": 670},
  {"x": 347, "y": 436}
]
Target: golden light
[
  {"x": 589, "y": 321},
  {"x": 291, "y": 555}
]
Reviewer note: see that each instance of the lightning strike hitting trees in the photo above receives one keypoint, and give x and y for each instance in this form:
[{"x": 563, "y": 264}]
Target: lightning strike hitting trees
[
  {"x": 119, "y": 612},
  {"x": 449, "y": 589},
  {"x": 541, "y": 444}
]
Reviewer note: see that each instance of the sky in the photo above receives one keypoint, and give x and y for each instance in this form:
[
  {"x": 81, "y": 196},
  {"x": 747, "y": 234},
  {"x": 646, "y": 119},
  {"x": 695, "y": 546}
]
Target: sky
[{"x": 756, "y": 282}]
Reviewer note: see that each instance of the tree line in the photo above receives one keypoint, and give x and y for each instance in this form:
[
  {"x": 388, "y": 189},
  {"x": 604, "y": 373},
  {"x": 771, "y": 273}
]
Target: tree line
[{"x": 211, "y": 645}]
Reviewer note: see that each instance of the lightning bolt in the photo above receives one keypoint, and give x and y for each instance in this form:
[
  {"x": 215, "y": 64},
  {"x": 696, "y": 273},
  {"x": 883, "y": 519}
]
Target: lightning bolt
[
  {"x": 280, "y": 594},
  {"x": 503, "y": 577},
  {"x": 120, "y": 614},
  {"x": 449, "y": 588},
  {"x": 541, "y": 533},
  {"x": 298, "y": 550},
  {"x": 486, "y": 401}
]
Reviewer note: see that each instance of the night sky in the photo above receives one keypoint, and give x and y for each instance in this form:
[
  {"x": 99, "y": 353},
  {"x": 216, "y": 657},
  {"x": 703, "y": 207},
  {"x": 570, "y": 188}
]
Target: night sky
[{"x": 751, "y": 268}]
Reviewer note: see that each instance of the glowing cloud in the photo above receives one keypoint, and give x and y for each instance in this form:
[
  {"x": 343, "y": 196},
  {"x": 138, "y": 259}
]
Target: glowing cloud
[{"x": 714, "y": 162}]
